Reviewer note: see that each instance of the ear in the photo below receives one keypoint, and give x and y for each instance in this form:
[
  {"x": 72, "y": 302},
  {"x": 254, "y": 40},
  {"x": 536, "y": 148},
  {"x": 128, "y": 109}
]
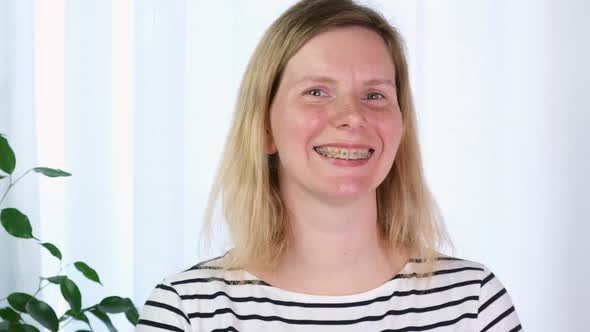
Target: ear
[{"x": 269, "y": 143}]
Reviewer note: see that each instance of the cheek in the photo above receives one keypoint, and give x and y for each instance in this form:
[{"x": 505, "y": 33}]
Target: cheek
[
  {"x": 390, "y": 128},
  {"x": 297, "y": 127},
  {"x": 311, "y": 124}
]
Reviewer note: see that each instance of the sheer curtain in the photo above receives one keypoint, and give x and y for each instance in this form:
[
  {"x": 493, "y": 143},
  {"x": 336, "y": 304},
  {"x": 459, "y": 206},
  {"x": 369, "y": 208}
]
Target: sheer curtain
[{"x": 134, "y": 98}]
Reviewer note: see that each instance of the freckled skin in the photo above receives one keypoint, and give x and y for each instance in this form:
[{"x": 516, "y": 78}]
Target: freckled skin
[{"x": 346, "y": 109}]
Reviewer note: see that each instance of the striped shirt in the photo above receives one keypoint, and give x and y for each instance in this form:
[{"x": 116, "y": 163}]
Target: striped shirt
[{"x": 461, "y": 296}]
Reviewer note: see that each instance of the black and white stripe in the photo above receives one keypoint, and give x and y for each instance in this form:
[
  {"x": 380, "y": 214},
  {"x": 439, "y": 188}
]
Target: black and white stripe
[{"x": 462, "y": 295}]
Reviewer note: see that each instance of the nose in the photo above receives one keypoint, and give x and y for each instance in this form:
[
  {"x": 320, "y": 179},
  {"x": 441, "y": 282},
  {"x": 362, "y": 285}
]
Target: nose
[{"x": 349, "y": 115}]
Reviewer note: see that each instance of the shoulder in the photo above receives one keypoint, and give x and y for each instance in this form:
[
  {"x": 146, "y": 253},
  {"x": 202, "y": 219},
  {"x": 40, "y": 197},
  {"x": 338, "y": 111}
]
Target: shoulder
[
  {"x": 465, "y": 271},
  {"x": 448, "y": 268},
  {"x": 495, "y": 309},
  {"x": 171, "y": 303},
  {"x": 205, "y": 275},
  {"x": 473, "y": 270}
]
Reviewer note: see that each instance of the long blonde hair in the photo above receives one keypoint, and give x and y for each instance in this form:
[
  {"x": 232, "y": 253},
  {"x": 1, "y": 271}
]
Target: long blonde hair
[{"x": 247, "y": 181}]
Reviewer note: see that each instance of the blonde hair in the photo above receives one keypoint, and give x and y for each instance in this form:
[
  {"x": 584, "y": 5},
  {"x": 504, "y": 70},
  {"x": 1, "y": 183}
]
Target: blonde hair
[{"x": 247, "y": 182}]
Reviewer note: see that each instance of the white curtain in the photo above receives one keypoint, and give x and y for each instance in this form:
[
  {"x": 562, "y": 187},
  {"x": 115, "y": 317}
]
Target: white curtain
[{"x": 134, "y": 98}]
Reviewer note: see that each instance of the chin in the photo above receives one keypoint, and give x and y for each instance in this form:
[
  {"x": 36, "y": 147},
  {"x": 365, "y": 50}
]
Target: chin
[{"x": 347, "y": 191}]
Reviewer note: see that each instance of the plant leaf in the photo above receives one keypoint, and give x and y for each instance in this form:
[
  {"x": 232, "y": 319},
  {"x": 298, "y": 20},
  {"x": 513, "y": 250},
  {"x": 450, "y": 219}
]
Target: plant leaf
[
  {"x": 71, "y": 293},
  {"x": 52, "y": 249},
  {"x": 132, "y": 315},
  {"x": 2, "y": 177},
  {"x": 43, "y": 313},
  {"x": 87, "y": 271},
  {"x": 51, "y": 172},
  {"x": 9, "y": 314},
  {"x": 7, "y": 158},
  {"x": 115, "y": 304},
  {"x": 16, "y": 223},
  {"x": 57, "y": 279},
  {"x": 104, "y": 318},
  {"x": 78, "y": 316},
  {"x": 19, "y": 300},
  {"x": 23, "y": 328}
]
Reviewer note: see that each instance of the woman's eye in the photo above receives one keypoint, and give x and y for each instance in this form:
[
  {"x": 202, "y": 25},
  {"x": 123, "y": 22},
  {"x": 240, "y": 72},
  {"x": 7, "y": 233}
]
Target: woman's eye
[
  {"x": 316, "y": 93},
  {"x": 375, "y": 96}
]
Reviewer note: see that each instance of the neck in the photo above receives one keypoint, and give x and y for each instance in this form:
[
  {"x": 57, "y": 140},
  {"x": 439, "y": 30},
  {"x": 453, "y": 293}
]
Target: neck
[
  {"x": 334, "y": 248},
  {"x": 330, "y": 238}
]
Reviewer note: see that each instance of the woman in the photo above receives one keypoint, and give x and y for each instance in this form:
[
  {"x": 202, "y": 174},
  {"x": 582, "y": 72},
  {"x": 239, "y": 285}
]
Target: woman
[{"x": 323, "y": 193}]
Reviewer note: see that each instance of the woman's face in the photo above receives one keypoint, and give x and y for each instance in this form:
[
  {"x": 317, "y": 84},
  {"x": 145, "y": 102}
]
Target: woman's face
[{"x": 335, "y": 120}]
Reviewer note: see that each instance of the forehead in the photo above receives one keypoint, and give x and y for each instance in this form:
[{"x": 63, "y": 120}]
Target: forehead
[{"x": 342, "y": 51}]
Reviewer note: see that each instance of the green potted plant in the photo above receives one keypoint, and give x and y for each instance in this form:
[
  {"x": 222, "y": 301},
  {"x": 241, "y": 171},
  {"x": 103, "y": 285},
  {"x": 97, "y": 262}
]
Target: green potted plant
[{"x": 17, "y": 306}]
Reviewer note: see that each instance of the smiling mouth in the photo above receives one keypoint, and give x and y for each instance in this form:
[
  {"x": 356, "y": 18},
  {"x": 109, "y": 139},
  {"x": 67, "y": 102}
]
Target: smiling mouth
[{"x": 344, "y": 154}]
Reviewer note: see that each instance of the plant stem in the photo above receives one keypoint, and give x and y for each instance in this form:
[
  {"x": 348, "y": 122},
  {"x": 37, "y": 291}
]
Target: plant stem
[
  {"x": 62, "y": 268},
  {"x": 11, "y": 184},
  {"x": 20, "y": 177},
  {"x": 39, "y": 288},
  {"x": 68, "y": 322},
  {"x": 37, "y": 292},
  {"x": 7, "y": 189},
  {"x": 48, "y": 283}
]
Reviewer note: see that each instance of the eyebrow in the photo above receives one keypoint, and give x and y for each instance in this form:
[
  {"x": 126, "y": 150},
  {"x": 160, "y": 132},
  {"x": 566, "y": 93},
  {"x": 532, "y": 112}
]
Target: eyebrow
[{"x": 326, "y": 79}]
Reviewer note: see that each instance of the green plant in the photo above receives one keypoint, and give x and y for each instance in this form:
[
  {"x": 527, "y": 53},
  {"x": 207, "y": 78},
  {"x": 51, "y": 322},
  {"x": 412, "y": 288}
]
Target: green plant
[{"x": 21, "y": 304}]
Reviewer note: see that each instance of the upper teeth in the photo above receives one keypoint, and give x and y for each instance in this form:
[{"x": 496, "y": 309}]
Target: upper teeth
[{"x": 342, "y": 153}]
